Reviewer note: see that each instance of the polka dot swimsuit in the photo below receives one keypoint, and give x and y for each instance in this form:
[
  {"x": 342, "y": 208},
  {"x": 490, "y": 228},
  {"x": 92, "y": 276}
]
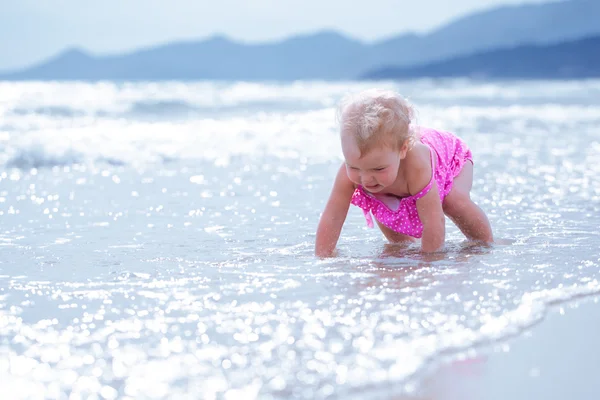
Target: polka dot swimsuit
[{"x": 448, "y": 155}]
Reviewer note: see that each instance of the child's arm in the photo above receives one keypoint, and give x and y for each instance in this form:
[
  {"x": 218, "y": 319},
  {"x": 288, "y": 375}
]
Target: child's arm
[
  {"x": 431, "y": 214},
  {"x": 429, "y": 207},
  {"x": 334, "y": 215}
]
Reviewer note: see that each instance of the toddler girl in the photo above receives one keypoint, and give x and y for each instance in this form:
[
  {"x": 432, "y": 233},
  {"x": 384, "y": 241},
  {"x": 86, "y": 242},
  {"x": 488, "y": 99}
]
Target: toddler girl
[{"x": 406, "y": 177}]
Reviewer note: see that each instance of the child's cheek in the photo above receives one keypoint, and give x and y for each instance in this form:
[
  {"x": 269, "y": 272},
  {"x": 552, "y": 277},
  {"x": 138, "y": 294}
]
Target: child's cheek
[
  {"x": 353, "y": 175},
  {"x": 388, "y": 177}
]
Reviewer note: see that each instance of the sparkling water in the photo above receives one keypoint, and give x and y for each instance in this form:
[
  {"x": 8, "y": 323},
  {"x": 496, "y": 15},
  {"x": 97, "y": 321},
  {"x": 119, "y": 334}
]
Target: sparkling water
[{"x": 156, "y": 239}]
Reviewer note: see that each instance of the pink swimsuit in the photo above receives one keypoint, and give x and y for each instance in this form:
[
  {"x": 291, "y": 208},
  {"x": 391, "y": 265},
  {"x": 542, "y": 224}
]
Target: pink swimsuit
[{"x": 448, "y": 155}]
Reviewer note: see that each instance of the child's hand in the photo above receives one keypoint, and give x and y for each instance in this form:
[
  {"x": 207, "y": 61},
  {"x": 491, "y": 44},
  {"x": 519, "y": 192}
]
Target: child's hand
[
  {"x": 334, "y": 215},
  {"x": 330, "y": 254}
]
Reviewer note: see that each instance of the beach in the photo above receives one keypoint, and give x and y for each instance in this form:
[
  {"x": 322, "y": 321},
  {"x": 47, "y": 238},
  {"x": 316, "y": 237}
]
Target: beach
[
  {"x": 157, "y": 241},
  {"x": 554, "y": 359}
]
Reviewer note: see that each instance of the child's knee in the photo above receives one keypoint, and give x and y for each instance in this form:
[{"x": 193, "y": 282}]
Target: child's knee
[{"x": 456, "y": 202}]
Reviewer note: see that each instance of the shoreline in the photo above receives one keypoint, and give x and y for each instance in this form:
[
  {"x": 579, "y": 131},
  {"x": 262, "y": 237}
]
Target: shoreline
[{"x": 556, "y": 358}]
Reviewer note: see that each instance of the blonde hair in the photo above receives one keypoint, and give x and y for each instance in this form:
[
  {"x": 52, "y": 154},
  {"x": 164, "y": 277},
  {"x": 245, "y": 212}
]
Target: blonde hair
[{"x": 377, "y": 117}]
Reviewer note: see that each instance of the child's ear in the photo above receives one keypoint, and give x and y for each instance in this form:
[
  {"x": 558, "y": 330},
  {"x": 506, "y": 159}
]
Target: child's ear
[{"x": 404, "y": 150}]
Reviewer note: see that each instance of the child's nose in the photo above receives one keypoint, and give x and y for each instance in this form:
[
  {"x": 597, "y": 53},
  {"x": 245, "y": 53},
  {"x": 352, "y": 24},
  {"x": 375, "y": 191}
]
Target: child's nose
[{"x": 366, "y": 177}]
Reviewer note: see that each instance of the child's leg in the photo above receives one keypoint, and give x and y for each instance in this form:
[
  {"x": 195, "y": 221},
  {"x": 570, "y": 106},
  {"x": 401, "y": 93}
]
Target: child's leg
[
  {"x": 459, "y": 207},
  {"x": 393, "y": 236}
]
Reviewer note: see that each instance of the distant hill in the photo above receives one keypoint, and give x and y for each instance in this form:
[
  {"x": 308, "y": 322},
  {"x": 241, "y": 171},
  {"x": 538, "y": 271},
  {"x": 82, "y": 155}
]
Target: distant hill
[
  {"x": 570, "y": 60},
  {"x": 502, "y": 27},
  {"x": 327, "y": 55},
  {"x": 323, "y": 55}
]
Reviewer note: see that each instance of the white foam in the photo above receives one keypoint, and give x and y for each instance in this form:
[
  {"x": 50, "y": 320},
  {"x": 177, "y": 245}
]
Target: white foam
[
  {"x": 410, "y": 356},
  {"x": 140, "y": 143},
  {"x": 92, "y": 122}
]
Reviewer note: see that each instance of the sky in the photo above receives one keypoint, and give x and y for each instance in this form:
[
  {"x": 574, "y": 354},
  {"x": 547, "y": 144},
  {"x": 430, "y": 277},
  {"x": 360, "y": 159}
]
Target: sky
[{"x": 34, "y": 30}]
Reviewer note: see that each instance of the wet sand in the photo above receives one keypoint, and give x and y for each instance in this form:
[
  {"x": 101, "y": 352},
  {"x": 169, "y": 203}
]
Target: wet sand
[{"x": 558, "y": 358}]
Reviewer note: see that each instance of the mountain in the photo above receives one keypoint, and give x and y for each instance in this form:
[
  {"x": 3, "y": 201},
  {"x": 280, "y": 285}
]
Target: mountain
[
  {"x": 327, "y": 55},
  {"x": 569, "y": 60},
  {"x": 304, "y": 57},
  {"x": 502, "y": 27}
]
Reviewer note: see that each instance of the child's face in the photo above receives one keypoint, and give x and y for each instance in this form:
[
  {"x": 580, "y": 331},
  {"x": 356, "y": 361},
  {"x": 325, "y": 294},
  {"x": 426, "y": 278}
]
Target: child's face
[{"x": 375, "y": 170}]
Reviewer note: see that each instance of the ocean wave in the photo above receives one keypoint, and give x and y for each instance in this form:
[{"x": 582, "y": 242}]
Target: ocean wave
[
  {"x": 38, "y": 157},
  {"x": 165, "y": 109},
  {"x": 161, "y": 108},
  {"x": 54, "y": 111},
  {"x": 147, "y": 123},
  {"x": 179, "y": 108},
  {"x": 418, "y": 351},
  {"x": 171, "y": 99},
  {"x": 124, "y": 142}
]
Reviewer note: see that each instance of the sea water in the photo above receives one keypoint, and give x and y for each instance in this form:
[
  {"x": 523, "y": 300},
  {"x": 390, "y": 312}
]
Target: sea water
[{"x": 156, "y": 239}]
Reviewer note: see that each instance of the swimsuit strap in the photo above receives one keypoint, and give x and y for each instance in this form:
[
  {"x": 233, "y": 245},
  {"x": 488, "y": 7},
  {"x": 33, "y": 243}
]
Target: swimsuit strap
[{"x": 427, "y": 188}]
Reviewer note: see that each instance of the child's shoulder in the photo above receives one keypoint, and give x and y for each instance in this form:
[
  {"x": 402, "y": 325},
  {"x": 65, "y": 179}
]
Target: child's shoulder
[
  {"x": 418, "y": 172},
  {"x": 418, "y": 157}
]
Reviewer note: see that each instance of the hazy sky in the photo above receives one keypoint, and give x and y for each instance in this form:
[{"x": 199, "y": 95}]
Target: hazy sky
[{"x": 31, "y": 30}]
